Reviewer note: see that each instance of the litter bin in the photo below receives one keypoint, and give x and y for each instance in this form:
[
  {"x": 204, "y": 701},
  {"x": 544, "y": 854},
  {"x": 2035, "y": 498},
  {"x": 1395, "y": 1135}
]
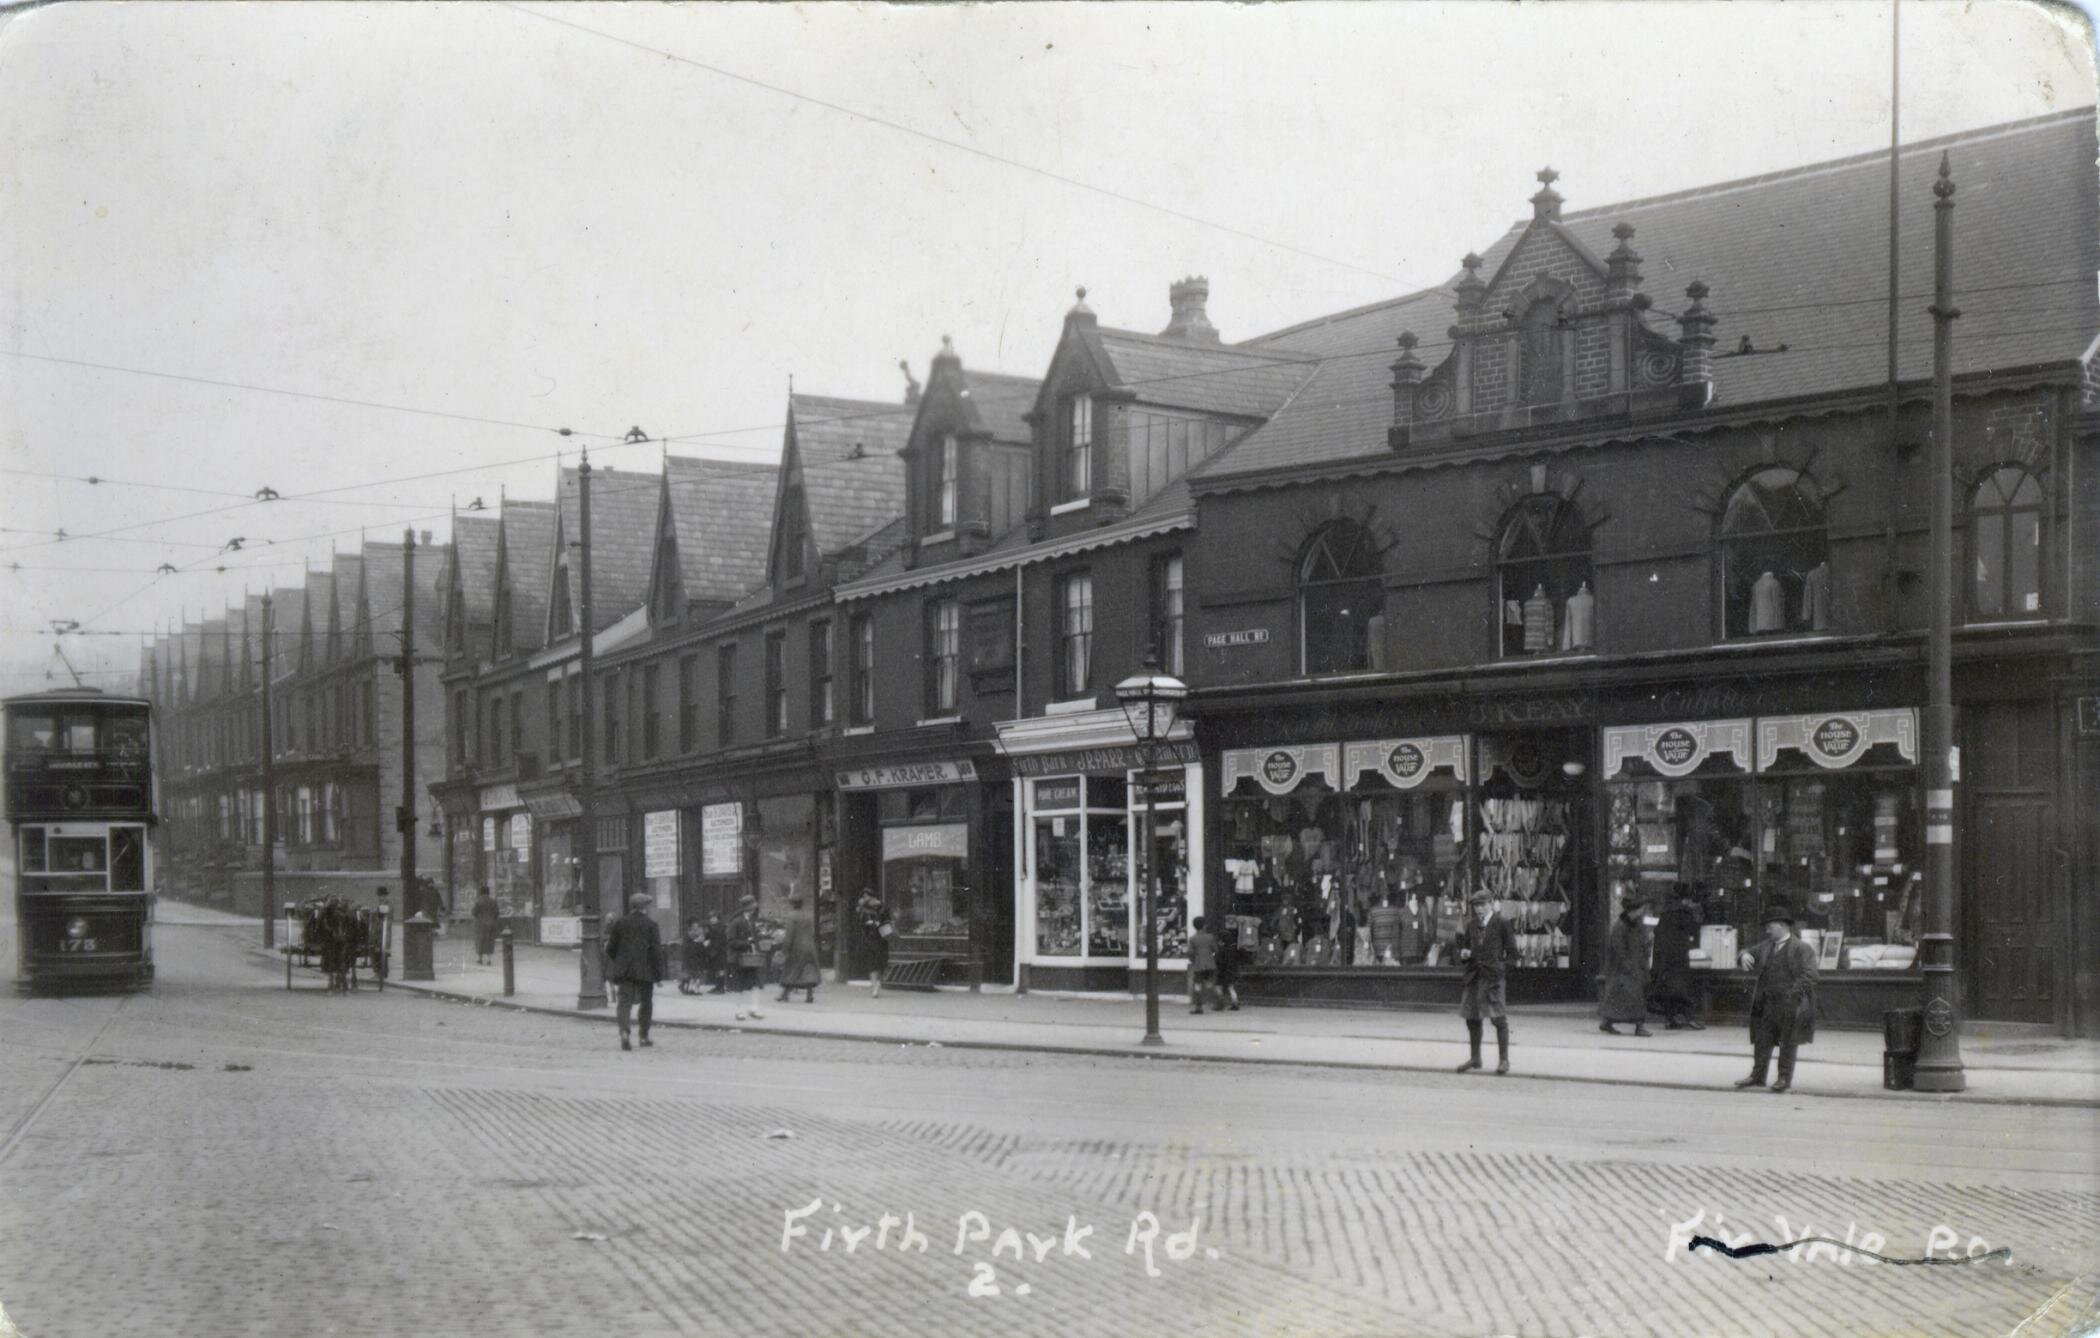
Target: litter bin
[{"x": 1901, "y": 1029}]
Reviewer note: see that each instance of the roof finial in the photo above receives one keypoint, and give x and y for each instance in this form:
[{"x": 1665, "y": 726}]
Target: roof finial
[
  {"x": 1546, "y": 204},
  {"x": 1080, "y": 310}
]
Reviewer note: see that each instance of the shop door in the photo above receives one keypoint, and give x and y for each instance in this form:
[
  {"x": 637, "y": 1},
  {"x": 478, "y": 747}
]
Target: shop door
[
  {"x": 2009, "y": 933},
  {"x": 996, "y": 899}
]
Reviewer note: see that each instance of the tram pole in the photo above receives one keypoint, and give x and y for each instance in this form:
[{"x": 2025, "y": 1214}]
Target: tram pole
[
  {"x": 405, "y": 817},
  {"x": 1939, "y": 1066},
  {"x": 590, "y": 986},
  {"x": 269, "y": 791}
]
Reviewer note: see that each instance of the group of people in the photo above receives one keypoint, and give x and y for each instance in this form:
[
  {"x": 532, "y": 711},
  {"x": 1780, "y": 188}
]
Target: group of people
[
  {"x": 1782, "y": 992},
  {"x": 1214, "y": 968},
  {"x": 337, "y": 934},
  {"x": 734, "y": 955}
]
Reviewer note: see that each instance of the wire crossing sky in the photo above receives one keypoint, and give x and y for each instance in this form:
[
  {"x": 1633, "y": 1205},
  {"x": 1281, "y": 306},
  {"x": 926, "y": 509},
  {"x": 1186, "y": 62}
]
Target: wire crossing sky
[{"x": 375, "y": 258}]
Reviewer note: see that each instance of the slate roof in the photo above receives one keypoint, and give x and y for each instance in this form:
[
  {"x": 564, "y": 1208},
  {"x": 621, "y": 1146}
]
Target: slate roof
[
  {"x": 320, "y": 584},
  {"x": 474, "y": 553},
  {"x": 623, "y": 530},
  {"x": 528, "y": 549},
  {"x": 722, "y": 515},
  {"x": 349, "y": 578},
  {"x": 382, "y": 574},
  {"x": 1246, "y": 382},
  {"x": 287, "y": 607},
  {"x": 1797, "y": 257},
  {"x": 849, "y": 500},
  {"x": 999, "y": 401},
  {"x": 830, "y": 428}
]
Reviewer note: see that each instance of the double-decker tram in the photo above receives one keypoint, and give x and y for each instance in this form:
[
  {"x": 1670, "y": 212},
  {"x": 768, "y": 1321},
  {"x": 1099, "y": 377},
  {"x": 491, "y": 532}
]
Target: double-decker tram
[{"x": 80, "y": 815}]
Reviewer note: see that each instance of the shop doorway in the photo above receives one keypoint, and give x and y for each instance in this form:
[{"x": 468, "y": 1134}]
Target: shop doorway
[{"x": 2008, "y": 926}]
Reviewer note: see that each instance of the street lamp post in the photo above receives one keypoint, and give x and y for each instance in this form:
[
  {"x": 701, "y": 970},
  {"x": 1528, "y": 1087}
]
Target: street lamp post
[{"x": 1151, "y": 702}]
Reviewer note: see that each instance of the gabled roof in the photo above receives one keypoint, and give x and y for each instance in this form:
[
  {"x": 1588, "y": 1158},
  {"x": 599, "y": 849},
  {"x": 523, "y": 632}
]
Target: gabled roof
[
  {"x": 383, "y": 575},
  {"x": 848, "y": 500},
  {"x": 1209, "y": 378},
  {"x": 721, "y": 516},
  {"x": 830, "y": 428},
  {"x": 350, "y": 578},
  {"x": 287, "y": 607},
  {"x": 1798, "y": 257},
  {"x": 528, "y": 550},
  {"x": 999, "y": 401},
  {"x": 623, "y": 529},
  {"x": 473, "y": 557}
]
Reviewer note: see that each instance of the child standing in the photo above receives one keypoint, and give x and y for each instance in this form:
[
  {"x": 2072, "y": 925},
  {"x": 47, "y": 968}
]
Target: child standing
[{"x": 1203, "y": 964}]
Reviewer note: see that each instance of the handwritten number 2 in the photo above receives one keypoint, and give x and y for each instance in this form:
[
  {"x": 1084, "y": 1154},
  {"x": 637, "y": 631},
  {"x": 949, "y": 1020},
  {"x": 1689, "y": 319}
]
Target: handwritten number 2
[{"x": 985, "y": 1283}]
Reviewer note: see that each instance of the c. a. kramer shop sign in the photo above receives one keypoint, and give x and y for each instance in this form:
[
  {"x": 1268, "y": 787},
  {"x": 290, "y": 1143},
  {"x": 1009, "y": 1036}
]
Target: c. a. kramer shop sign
[
  {"x": 1099, "y": 761},
  {"x": 898, "y": 774}
]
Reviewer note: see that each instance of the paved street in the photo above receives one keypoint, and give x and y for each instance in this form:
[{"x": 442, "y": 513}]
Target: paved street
[{"x": 222, "y": 1156}]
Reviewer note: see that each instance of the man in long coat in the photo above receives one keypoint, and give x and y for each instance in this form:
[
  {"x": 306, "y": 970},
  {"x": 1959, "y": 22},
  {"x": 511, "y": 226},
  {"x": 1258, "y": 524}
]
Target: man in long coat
[
  {"x": 1782, "y": 998},
  {"x": 1625, "y": 994},
  {"x": 799, "y": 968},
  {"x": 487, "y": 916},
  {"x": 633, "y": 948},
  {"x": 1486, "y": 947}
]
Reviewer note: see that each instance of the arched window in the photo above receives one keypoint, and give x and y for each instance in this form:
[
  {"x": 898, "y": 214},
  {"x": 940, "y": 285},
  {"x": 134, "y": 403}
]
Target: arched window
[
  {"x": 2005, "y": 545},
  {"x": 1775, "y": 556},
  {"x": 1543, "y": 566},
  {"x": 1341, "y": 601}
]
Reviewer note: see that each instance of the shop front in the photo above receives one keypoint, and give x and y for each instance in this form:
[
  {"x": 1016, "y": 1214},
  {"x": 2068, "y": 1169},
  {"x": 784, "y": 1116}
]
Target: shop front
[
  {"x": 555, "y": 830},
  {"x": 929, "y": 838},
  {"x": 505, "y": 859},
  {"x": 1347, "y": 864},
  {"x": 1819, "y": 812},
  {"x": 1081, "y": 860}
]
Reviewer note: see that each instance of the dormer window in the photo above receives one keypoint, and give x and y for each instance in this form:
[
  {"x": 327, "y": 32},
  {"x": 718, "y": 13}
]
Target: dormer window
[
  {"x": 561, "y": 621},
  {"x": 666, "y": 580},
  {"x": 1541, "y": 332},
  {"x": 1076, "y": 476},
  {"x": 944, "y": 488},
  {"x": 793, "y": 539}
]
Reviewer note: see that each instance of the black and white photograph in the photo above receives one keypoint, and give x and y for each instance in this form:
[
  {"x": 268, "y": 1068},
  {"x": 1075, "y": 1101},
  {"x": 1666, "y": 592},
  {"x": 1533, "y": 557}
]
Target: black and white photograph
[{"x": 1399, "y": 669}]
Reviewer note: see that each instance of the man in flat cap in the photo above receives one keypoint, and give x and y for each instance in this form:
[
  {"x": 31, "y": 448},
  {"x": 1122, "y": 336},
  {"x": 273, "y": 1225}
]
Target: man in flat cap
[{"x": 1486, "y": 946}]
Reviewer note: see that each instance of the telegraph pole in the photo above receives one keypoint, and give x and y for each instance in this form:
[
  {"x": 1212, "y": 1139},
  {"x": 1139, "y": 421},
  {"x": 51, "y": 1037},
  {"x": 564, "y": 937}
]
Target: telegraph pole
[
  {"x": 269, "y": 791},
  {"x": 405, "y": 820},
  {"x": 1939, "y": 1048},
  {"x": 590, "y": 992}
]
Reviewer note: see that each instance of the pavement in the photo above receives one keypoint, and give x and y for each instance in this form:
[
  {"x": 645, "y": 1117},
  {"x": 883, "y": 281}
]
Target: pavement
[{"x": 2021, "y": 1065}]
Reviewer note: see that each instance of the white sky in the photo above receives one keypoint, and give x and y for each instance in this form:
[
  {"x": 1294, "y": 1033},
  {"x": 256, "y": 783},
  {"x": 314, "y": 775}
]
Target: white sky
[{"x": 482, "y": 210}]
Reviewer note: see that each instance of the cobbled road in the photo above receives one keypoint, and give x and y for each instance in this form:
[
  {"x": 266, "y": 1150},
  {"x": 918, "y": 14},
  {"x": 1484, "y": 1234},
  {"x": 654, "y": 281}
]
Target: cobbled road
[{"x": 223, "y": 1157}]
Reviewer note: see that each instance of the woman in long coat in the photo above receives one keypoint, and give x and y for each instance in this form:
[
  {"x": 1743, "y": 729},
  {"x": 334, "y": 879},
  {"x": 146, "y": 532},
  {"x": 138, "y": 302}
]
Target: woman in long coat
[
  {"x": 1625, "y": 996},
  {"x": 486, "y": 916},
  {"x": 799, "y": 969},
  {"x": 1676, "y": 990}
]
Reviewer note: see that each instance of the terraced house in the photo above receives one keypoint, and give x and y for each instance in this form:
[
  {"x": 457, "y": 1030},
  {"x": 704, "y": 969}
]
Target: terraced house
[{"x": 1588, "y": 577}]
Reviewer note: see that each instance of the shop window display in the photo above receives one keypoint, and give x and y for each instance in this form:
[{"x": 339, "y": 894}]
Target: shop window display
[
  {"x": 1351, "y": 879},
  {"x": 1086, "y": 889},
  {"x": 925, "y": 851}
]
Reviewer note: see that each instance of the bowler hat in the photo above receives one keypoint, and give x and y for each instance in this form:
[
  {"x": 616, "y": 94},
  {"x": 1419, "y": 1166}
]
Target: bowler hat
[{"x": 1778, "y": 912}]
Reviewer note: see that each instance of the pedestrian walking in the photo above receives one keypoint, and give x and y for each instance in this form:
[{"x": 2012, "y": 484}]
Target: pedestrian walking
[
  {"x": 876, "y": 931},
  {"x": 1229, "y": 954},
  {"x": 1676, "y": 989},
  {"x": 1203, "y": 964},
  {"x": 634, "y": 949},
  {"x": 1625, "y": 994},
  {"x": 487, "y": 915},
  {"x": 747, "y": 957},
  {"x": 799, "y": 969},
  {"x": 1486, "y": 946},
  {"x": 1782, "y": 998}
]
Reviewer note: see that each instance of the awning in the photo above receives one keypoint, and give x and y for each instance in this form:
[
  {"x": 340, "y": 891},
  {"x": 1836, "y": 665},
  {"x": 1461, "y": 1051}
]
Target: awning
[
  {"x": 1281, "y": 770},
  {"x": 1837, "y": 739},
  {"x": 1675, "y": 750},
  {"x": 560, "y": 804},
  {"x": 1406, "y": 763}
]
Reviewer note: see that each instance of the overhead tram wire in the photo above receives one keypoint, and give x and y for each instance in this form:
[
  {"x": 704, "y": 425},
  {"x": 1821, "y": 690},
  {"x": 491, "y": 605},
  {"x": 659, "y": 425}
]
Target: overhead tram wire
[{"x": 957, "y": 145}]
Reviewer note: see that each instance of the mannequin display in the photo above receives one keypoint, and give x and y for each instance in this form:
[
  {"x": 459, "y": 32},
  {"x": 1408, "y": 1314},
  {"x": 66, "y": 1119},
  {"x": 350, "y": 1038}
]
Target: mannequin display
[
  {"x": 1815, "y": 597},
  {"x": 1767, "y": 605},
  {"x": 1385, "y": 929},
  {"x": 1579, "y": 625},
  {"x": 1538, "y": 622}
]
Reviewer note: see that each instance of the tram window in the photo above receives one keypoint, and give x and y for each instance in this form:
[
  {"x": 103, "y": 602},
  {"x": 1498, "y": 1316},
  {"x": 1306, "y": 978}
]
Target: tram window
[
  {"x": 125, "y": 735},
  {"x": 33, "y": 850},
  {"x": 76, "y": 854},
  {"x": 127, "y": 859},
  {"x": 76, "y": 733},
  {"x": 31, "y": 731}
]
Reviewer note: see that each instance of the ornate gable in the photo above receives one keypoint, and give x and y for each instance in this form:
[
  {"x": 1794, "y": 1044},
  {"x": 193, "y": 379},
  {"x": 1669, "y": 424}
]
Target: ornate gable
[{"x": 1555, "y": 335}]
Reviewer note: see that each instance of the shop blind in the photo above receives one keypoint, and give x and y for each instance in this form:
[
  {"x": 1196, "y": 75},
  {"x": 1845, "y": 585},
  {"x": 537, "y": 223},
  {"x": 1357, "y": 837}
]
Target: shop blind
[
  {"x": 1676, "y": 750},
  {"x": 1405, "y": 763},
  {"x": 1837, "y": 739},
  {"x": 1281, "y": 770}
]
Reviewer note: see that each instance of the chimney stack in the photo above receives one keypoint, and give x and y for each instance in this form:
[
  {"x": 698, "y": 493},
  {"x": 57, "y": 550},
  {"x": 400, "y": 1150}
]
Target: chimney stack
[{"x": 1190, "y": 322}]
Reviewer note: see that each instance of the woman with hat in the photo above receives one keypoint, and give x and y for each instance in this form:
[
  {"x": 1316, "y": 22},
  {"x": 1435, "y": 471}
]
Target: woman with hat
[
  {"x": 1625, "y": 996},
  {"x": 876, "y": 930},
  {"x": 1782, "y": 997},
  {"x": 747, "y": 958},
  {"x": 799, "y": 969},
  {"x": 1486, "y": 946}
]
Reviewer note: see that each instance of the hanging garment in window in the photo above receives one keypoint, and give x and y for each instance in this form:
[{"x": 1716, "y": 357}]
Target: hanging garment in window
[
  {"x": 1580, "y": 624},
  {"x": 1767, "y": 605},
  {"x": 1815, "y": 597},
  {"x": 1538, "y": 621}
]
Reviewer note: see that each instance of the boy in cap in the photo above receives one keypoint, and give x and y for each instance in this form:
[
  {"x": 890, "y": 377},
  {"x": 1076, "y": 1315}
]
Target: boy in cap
[
  {"x": 746, "y": 958},
  {"x": 1486, "y": 946}
]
